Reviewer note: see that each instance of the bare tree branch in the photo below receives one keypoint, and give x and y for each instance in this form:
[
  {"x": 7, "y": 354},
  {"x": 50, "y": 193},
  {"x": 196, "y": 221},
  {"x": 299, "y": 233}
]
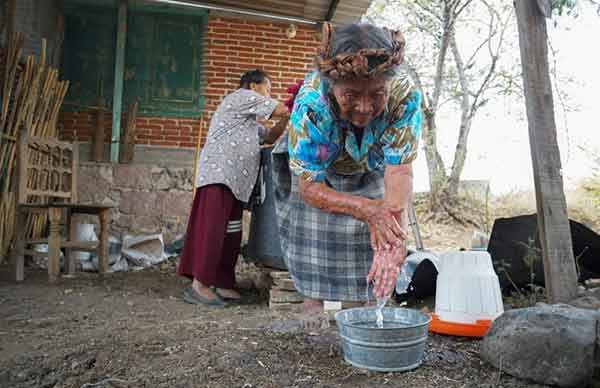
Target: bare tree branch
[
  {"x": 462, "y": 8},
  {"x": 426, "y": 6},
  {"x": 447, "y": 32},
  {"x": 494, "y": 55}
]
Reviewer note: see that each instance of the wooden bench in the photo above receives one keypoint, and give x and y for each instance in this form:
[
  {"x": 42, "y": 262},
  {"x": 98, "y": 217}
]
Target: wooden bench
[{"x": 47, "y": 185}]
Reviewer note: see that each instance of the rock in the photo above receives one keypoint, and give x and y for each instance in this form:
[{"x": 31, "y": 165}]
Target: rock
[
  {"x": 162, "y": 180},
  {"x": 589, "y": 300},
  {"x": 94, "y": 183},
  {"x": 133, "y": 176},
  {"x": 592, "y": 283},
  {"x": 138, "y": 203},
  {"x": 174, "y": 204},
  {"x": 184, "y": 178},
  {"x": 549, "y": 344}
]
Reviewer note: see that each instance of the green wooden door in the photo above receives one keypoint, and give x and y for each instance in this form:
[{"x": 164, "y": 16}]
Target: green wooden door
[
  {"x": 163, "y": 60},
  {"x": 164, "y": 63},
  {"x": 89, "y": 55}
]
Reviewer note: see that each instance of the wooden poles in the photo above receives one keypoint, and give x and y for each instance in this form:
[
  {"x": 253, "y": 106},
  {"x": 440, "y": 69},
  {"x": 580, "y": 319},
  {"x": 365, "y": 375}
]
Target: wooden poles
[
  {"x": 119, "y": 74},
  {"x": 127, "y": 150},
  {"x": 32, "y": 97}
]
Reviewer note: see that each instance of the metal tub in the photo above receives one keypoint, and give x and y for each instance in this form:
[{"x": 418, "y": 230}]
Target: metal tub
[{"x": 397, "y": 347}]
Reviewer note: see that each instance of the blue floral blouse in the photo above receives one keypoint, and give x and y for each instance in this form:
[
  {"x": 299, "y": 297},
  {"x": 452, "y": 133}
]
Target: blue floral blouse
[{"x": 319, "y": 141}]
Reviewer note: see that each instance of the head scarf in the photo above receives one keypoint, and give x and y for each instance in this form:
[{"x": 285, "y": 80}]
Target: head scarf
[{"x": 356, "y": 65}]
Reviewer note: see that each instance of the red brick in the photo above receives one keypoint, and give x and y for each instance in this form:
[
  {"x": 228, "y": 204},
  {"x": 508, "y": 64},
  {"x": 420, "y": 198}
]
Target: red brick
[
  {"x": 164, "y": 143},
  {"x": 153, "y": 127},
  {"x": 171, "y": 133},
  {"x": 187, "y": 145},
  {"x": 188, "y": 121}
]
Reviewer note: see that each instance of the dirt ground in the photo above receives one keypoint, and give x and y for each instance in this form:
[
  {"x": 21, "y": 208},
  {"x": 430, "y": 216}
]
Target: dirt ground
[{"x": 134, "y": 330}]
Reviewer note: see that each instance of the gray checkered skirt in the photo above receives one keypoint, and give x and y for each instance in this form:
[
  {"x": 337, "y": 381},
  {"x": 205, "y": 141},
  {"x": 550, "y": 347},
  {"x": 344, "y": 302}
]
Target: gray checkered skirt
[{"x": 328, "y": 255}]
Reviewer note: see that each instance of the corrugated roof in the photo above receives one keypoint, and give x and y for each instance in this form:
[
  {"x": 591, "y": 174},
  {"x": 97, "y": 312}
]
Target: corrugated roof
[
  {"x": 345, "y": 11},
  {"x": 349, "y": 11}
]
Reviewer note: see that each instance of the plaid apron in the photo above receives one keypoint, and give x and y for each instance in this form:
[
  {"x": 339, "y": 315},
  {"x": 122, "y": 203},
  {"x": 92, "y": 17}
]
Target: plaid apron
[{"x": 328, "y": 255}]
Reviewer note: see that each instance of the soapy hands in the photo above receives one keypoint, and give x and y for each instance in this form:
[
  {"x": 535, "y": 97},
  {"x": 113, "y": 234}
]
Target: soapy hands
[
  {"x": 382, "y": 219},
  {"x": 385, "y": 269}
]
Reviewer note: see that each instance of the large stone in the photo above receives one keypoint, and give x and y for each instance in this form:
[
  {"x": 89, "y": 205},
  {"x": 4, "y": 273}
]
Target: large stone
[
  {"x": 162, "y": 180},
  {"x": 139, "y": 203},
  {"x": 174, "y": 203},
  {"x": 94, "y": 182},
  {"x": 590, "y": 299},
  {"x": 549, "y": 344},
  {"x": 184, "y": 178},
  {"x": 133, "y": 176},
  {"x": 136, "y": 225}
]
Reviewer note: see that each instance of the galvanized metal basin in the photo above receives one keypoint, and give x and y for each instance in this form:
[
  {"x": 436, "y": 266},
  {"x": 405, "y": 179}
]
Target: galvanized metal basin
[{"x": 396, "y": 347}]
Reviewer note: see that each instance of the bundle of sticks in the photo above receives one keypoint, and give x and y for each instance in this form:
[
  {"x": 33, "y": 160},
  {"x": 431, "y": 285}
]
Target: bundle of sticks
[{"x": 32, "y": 96}]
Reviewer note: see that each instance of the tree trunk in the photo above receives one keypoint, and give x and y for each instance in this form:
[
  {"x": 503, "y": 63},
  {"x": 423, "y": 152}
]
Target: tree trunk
[
  {"x": 553, "y": 223},
  {"x": 435, "y": 164},
  {"x": 466, "y": 118},
  {"x": 460, "y": 156}
]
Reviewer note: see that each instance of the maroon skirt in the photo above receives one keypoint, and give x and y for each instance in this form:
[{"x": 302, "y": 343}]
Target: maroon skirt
[{"x": 212, "y": 241}]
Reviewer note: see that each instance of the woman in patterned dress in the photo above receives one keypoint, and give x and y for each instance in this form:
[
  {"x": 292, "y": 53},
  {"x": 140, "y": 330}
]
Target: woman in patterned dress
[
  {"x": 343, "y": 174},
  {"x": 227, "y": 171}
]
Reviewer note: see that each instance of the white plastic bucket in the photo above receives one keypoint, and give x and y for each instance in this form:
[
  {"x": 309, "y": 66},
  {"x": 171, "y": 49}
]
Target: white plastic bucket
[
  {"x": 84, "y": 232},
  {"x": 468, "y": 296}
]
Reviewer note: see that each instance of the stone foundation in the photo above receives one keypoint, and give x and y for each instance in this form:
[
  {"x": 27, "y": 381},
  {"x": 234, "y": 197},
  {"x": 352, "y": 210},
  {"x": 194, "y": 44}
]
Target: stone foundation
[{"x": 148, "y": 198}]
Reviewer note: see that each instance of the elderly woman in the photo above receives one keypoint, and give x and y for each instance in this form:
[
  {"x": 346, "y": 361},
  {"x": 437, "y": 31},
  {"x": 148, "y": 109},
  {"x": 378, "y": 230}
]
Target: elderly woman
[
  {"x": 352, "y": 137},
  {"x": 227, "y": 171}
]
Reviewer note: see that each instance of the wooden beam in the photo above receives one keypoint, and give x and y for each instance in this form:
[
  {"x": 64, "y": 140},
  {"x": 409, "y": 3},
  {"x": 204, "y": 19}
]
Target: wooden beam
[
  {"x": 553, "y": 222},
  {"x": 118, "y": 90},
  {"x": 11, "y": 15},
  {"x": 331, "y": 11}
]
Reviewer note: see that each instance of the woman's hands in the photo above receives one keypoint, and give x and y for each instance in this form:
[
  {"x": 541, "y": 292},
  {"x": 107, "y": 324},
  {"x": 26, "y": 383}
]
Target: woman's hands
[
  {"x": 385, "y": 222},
  {"x": 388, "y": 240},
  {"x": 384, "y": 225},
  {"x": 385, "y": 269}
]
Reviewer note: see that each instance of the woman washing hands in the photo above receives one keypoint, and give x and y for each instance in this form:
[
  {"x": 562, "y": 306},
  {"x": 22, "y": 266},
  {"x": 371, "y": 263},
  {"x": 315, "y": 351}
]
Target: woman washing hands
[{"x": 352, "y": 137}]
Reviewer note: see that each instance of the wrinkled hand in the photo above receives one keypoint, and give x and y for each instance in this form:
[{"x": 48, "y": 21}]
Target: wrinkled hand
[
  {"x": 385, "y": 229},
  {"x": 385, "y": 269}
]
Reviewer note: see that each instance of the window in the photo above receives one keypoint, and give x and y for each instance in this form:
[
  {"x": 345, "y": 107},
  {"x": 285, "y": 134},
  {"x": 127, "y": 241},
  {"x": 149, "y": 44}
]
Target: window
[
  {"x": 163, "y": 59},
  {"x": 164, "y": 63},
  {"x": 89, "y": 55}
]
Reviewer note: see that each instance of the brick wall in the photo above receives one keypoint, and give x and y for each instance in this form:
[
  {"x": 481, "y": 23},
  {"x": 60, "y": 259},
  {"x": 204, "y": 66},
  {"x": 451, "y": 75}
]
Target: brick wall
[
  {"x": 232, "y": 47},
  {"x": 158, "y": 131}
]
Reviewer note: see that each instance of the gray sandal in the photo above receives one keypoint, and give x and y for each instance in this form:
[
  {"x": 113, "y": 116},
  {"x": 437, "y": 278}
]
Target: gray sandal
[{"x": 190, "y": 295}]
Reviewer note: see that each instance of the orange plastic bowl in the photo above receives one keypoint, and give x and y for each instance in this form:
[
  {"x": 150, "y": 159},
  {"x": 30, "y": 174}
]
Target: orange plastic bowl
[{"x": 476, "y": 330}]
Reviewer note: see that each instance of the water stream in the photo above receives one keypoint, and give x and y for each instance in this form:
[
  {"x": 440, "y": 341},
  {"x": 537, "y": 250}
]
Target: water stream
[{"x": 379, "y": 311}]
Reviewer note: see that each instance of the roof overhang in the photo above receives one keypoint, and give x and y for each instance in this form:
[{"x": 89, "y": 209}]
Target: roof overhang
[{"x": 312, "y": 12}]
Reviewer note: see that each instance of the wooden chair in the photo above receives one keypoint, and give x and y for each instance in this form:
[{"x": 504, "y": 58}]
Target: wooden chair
[{"x": 47, "y": 183}]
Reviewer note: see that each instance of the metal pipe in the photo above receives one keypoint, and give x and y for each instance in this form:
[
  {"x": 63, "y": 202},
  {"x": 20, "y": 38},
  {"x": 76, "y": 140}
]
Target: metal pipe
[{"x": 236, "y": 10}]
